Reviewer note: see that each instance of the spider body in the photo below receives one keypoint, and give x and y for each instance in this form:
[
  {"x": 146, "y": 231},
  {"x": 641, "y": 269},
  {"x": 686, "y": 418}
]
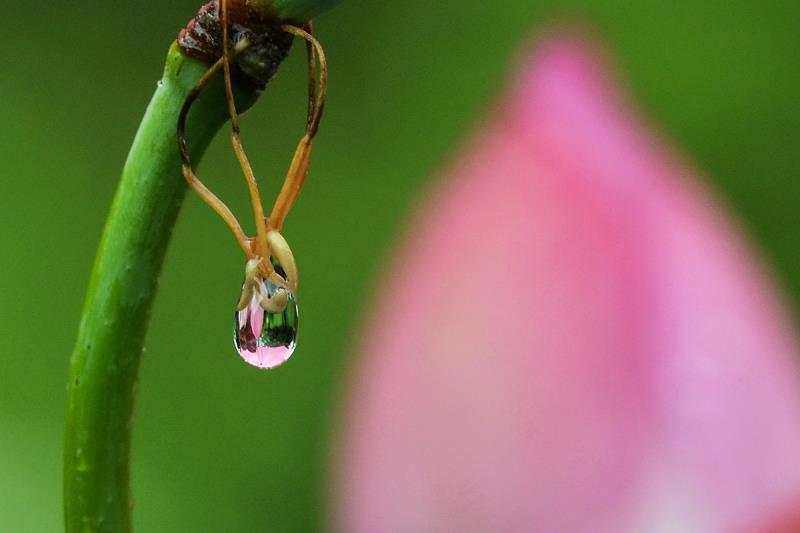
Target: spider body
[{"x": 202, "y": 39}]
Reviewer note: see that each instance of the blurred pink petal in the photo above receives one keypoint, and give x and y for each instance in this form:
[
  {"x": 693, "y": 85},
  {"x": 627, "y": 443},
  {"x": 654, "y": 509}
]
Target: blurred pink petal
[{"x": 573, "y": 339}]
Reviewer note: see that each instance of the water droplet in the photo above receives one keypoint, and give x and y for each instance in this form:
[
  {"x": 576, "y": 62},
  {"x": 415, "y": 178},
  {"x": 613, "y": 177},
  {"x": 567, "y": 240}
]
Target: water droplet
[{"x": 263, "y": 338}]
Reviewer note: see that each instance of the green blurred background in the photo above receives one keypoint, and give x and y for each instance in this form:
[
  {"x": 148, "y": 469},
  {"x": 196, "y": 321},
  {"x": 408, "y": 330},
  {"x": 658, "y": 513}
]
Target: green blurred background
[{"x": 220, "y": 446}]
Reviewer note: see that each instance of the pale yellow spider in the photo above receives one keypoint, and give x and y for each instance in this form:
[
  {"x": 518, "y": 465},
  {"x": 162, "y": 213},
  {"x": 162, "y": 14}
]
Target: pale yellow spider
[{"x": 268, "y": 244}]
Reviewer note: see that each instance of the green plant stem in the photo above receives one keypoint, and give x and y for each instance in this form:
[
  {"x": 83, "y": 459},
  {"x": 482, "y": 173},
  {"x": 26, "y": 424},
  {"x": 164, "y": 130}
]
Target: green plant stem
[
  {"x": 296, "y": 10},
  {"x": 105, "y": 363}
]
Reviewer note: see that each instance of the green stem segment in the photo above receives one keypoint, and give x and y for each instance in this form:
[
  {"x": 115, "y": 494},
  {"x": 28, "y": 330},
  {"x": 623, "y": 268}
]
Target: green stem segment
[
  {"x": 297, "y": 10},
  {"x": 105, "y": 363}
]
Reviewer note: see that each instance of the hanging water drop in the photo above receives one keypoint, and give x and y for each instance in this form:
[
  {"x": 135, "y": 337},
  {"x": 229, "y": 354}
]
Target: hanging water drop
[{"x": 264, "y": 337}]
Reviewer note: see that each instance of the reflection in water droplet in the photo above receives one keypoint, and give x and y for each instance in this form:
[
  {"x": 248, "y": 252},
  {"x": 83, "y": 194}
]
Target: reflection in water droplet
[{"x": 262, "y": 338}]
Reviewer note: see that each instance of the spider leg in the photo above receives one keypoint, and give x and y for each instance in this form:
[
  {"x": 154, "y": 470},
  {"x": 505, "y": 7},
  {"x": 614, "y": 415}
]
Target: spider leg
[
  {"x": 298, "y": 169},
  {"x": 262, "y": 248},
  {"x": 205, "y": 194}
]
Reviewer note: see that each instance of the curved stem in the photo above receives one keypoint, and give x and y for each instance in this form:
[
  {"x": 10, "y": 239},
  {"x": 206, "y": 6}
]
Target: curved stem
[
  {"x": 105, "y": 363},
  {"x": 294, "y": 10}
]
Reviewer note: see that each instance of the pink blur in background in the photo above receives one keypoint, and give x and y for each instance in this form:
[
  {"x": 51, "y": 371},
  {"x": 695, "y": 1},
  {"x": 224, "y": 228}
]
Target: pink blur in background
[{"x": 573, "y": 337}]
